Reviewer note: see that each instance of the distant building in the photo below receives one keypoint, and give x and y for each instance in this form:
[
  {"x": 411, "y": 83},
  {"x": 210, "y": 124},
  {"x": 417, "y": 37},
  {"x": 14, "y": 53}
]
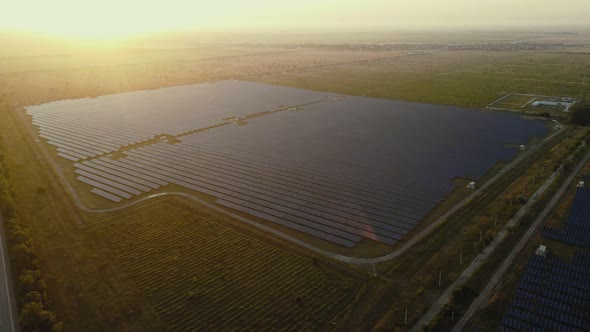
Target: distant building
[
  {"x": 522, "y": 147},
  {"x": 471, "y": 185},
  {"x": 546, "y": 103}
]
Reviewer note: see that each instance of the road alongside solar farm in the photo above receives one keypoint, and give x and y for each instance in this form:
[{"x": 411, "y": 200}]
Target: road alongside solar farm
[{"x": 340, "y": 170}]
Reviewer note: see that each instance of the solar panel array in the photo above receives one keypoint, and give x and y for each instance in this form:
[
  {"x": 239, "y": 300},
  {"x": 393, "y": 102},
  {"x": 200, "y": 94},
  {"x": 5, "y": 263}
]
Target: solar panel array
[
  {"x": 577, "y": 227},
  {"x": 553, "y": 295},
  {"x": 85, "y": 128},
  {"x": 341, "y": 170}
]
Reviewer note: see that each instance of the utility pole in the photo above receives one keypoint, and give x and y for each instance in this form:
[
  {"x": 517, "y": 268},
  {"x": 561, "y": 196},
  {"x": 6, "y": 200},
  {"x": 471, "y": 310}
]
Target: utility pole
[
  {"x": 461, "y": 257},
  {"x": 480, "y": 234},
  {"x": 496, "y": 221},
  {"x": 406, "y": 316},
  {"x": 439, "y": 279}
]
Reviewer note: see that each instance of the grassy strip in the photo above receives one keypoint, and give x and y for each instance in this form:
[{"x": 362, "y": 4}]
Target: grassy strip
[{"x": 34, "y": 305}]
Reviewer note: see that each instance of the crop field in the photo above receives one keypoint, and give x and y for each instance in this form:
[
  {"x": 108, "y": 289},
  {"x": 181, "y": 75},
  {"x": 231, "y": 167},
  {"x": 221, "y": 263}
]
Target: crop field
[
  {"x": 330, "y": 166},
  {"x": 189, "y": 266}
]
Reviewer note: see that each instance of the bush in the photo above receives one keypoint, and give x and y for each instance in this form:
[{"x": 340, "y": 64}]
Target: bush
[{"x": 420, "y": 290}]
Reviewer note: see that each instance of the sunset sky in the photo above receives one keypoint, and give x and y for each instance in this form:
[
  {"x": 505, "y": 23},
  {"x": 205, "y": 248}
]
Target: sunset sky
[{"x": 114, "y": 18}]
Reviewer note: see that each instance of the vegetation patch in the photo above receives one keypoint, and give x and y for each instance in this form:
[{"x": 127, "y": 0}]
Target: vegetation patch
[
  {"x": 205, "y": 276},
  {"x": 34, "y": 305}
]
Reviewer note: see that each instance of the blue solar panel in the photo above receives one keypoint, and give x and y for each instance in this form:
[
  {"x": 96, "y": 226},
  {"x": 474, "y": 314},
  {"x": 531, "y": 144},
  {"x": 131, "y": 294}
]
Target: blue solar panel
[
  {"x": 551, "y": 300},
  {"x": 577, "y": 227},
  {"x": 372, "y": 168}
]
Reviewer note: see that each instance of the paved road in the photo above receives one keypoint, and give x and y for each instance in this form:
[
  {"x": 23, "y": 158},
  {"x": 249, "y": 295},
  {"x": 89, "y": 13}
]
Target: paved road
[
  {"x": 481, "y": 258},
  {"x": 8, "y": 311},
  {"x": 347, "y": 259},
  {"x": 486, "y": 293}
]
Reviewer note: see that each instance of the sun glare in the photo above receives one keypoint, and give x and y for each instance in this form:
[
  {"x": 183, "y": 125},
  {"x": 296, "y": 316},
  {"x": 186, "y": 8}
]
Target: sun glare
[
  {"x": 111, "y": 18},
  {"x": 121, "y": 18}
]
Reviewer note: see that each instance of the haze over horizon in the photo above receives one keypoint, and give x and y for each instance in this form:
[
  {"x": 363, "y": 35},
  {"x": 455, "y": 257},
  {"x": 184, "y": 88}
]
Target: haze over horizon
[{"x": 111, "y": 19}]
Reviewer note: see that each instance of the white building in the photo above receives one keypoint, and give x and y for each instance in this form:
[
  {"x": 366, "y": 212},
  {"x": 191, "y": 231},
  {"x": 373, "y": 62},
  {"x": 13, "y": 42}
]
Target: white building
[{"x": 546, "y": 103}]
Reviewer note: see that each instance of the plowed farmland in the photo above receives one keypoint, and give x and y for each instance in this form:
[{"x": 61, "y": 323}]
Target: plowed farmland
[{"x": 202, "y": 275}]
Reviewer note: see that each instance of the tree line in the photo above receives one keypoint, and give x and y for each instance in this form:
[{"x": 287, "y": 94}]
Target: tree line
[
  {"x": 581, "y": 114},
  {"x": 34, "y": 304}
]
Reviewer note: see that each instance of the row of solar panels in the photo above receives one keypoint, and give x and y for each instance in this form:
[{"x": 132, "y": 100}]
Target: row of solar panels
[
  {"x": 256, "y": 194},
  {"x": 565, "y": 276},
  {"x": 109, "y": 185},
  {"x": 319, "y": 189},
  {"x": 561, "y": 302},
  {"x": 84, "y": 121},
  {"x": 77, "y": 140},
  {"x": 577, "y": 227},
  {"x": 186, "y": 108},
  {"x": 551, "y": 296},
  {"x": 310, "y": 198},
  {"x": 430, "y": 184},
  {"x": 297, "y": 202},
  {"x": 187, "y": 163},
  {"x": 542, "y": 323},
  {"x": 306, "y": 172},
  {"x": 113, "y": 137},
  {"x": 123, "y": 190}
]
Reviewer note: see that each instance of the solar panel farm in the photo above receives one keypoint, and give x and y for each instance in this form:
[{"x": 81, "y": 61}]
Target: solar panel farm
[
  {"x": 329, "y": 166},
  {"x": 317, "y": 187}
]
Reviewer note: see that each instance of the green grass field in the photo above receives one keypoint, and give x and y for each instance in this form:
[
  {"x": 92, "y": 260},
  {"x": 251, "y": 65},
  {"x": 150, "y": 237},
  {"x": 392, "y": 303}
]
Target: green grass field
[
  {"x": 462, "y": 78},
  {"x": 512, "y": 102}
]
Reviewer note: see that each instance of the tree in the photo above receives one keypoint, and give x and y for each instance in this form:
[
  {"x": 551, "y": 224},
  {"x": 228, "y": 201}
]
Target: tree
[
  {"x": 24, "y": 256},
  {"x": 581, "y": 115},
  {"x": 34, "y": 317}
]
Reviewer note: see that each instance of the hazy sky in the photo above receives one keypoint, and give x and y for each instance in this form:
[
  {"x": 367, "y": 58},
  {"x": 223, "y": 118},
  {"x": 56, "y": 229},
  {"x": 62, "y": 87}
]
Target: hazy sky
[{"x": 106, "y": 18}]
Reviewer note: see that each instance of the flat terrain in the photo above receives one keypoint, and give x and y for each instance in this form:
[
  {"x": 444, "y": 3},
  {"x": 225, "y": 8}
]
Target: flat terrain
[
  {"x": 93, "y": 278},
  {"x": 206, "y": 276},
  {"x": 330, "y": 168}
]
